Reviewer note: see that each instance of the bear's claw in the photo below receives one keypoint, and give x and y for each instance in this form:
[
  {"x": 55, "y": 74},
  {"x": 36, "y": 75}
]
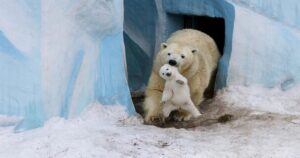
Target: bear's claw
[{"x": 156, "y": 120}]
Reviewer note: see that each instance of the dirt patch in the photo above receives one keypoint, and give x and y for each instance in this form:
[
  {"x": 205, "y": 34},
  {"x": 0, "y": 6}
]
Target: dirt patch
[{"x": 217, "y": 111}]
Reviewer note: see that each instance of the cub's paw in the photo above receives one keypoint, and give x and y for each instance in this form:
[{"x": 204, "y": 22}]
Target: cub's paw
[
  {"x": 180, "y": 82},
  {"x": 162, "y": 103}
]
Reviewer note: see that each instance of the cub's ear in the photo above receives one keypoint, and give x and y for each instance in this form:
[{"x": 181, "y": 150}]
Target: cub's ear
[
  {"x": 194, "y": 51},
  {"x": 163, "y": 45}
]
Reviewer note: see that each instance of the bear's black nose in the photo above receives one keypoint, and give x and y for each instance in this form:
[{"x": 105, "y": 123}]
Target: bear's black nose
[
  {"x": 168, "y": 74},
  {"x": 172, "y": 62}
]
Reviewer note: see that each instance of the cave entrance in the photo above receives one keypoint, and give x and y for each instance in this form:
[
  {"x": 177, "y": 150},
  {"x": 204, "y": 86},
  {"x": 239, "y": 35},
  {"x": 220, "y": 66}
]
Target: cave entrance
[{"x": 214, "y": 27}]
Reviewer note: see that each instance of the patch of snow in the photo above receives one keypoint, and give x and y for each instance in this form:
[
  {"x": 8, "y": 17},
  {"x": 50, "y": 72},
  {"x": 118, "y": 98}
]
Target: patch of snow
[
  {"x": 107, "y": 131},
  {"x": 296, "y": 121},
  {"x": 263, "y": 99}
]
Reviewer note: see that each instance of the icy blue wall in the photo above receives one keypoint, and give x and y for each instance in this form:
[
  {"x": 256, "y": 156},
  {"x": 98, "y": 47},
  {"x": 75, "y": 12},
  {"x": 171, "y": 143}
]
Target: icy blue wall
[
  {"x": 266, "y": 48},
  {"x": 20, "y": 70},
  {"x": 57, "y": 58},
  {"x": 284, "y": 11}
]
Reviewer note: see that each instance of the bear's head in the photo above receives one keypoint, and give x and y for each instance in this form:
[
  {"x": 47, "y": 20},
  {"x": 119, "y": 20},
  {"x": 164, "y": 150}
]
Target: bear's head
[
  {"x": 167, "y": 72},
  {"x": 176, "y": 55}
]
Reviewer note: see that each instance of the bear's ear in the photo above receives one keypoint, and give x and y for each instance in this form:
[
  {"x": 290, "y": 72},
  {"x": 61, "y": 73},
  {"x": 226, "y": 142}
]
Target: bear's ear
[
  {"x": 163, "y": 45},
  {"x": 194, "y": 51}
]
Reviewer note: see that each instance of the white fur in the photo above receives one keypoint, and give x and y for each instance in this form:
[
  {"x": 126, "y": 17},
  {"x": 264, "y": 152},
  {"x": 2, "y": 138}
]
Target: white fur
[{"x": 176, "y": 93}]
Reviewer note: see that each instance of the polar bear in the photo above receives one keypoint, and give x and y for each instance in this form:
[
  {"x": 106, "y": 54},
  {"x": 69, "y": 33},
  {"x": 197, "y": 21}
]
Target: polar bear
[
  {"x": 176, "y": 93},
  {"x": 196, "y": 56}
]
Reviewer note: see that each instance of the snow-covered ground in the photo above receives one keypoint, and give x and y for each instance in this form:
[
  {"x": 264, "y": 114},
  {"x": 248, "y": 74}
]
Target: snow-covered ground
[{"x": 107, "y": 131}]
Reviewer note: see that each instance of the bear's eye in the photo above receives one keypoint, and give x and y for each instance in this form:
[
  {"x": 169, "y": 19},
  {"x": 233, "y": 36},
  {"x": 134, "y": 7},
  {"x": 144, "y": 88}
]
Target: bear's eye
[
  {"x": 182, "y": 56},
  {"x": 169, "y": 54},
  {"x": 163, "y": 73},
  {"x": 167, "y": 69}
]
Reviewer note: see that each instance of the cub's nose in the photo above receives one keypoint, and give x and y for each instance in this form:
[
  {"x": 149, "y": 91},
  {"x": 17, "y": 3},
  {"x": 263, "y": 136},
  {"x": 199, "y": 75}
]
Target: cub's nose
[
  {"x": 169, "y": 74},
  {"x": 172, "y": 62}
]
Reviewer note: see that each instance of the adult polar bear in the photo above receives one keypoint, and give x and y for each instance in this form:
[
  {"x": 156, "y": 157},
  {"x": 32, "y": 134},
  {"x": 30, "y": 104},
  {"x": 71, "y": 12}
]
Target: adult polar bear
[{"x": 196, "y": 56}]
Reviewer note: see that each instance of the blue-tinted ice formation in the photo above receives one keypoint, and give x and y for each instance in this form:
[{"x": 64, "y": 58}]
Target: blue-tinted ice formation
[{"x": 57, "y": 58}]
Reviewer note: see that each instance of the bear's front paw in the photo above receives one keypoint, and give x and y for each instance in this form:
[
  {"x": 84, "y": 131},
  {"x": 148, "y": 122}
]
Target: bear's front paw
[{"x": 155, "y": 120}]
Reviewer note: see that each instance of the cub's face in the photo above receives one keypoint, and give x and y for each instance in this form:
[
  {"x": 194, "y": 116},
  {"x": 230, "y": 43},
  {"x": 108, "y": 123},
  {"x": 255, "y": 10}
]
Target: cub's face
[
  {"x": 166, "y": 72},
  {"x": 175, "y": 55}
]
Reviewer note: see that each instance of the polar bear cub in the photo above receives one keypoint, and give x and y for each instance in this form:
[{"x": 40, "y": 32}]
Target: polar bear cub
[{"x": 176, "y": 93}]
